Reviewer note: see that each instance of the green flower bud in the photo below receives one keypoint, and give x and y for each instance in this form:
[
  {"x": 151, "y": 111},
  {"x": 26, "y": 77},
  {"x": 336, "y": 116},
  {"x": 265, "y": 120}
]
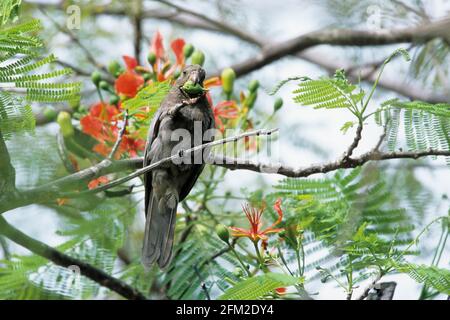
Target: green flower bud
[
  {"x": 151, "y": 58},
  {"x": 177, "y": 74},
  {"x": 147, "y": 76},
  {"x": 50, "y": 113},
  {"x": 114, "y": 67},
  {"x": 198, "y": 58},
  {"x": 223, "y": 233},
  {"x": 228, "y": 75},
  {"x": 65, "y": 123},
  {"x": 277, "y": 104},
  {"x": 96, "y": 77},
  {"x": 188, "y": 49},
  {"x": 104, "y": 85},
  {"x": 250, "y": 101},
  {"x": 114, "y": 100},
  {"x": 253, "y": 85}
]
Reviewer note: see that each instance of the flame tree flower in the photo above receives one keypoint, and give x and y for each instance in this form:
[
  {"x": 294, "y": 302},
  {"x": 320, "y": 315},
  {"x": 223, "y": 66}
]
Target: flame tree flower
[{"x": 255, "y": 232}]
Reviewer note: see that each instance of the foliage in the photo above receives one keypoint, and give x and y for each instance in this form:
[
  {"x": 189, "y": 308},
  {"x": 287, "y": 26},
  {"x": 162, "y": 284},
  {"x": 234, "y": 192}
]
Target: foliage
[
  {"x": 19, "y": 54},
  {"x": 259, "y": 286}
]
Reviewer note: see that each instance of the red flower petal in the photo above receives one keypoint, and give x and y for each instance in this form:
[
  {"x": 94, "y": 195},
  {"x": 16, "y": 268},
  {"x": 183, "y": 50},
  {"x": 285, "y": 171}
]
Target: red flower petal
[
  {"x": 130, "y": 62},
  {"x": 212, "y": 82},
  {"x": 128, "y": 83},
  {"x": 157, "y": 45},
  {"x": 177, "y": 48},
  {"x": 96, "y": 182}
]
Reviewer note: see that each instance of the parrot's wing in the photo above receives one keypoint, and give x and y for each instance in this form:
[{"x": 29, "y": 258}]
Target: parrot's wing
[
  {"x": 151, "y": 136},
  {"x": 196, "y": 170}
]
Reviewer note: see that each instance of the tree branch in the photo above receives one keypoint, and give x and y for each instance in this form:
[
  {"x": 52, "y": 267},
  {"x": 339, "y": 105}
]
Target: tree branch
[
  {"x": 61, "y": 259},
  {"x": 53, "y": 190}
]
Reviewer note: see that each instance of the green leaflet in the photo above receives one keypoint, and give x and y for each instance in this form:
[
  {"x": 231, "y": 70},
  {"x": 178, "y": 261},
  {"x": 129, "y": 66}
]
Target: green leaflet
[
  {"x": 14, "y": 116},
  {"x": 256, "y": 287},
  {"x": 8, "y": 9},
  {"x": 425, "y": 125},
  {"x": 431, "y": 276},
  {"x": 329, "y": 93},
  {"x": 150, "y": 96}
]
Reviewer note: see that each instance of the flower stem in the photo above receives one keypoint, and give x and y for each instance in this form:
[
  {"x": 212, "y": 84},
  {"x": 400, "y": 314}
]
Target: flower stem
[{"x": 240, "y": 261}]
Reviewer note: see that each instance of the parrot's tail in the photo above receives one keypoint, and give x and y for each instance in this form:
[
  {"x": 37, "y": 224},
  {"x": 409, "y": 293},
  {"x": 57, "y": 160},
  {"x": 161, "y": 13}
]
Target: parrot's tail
[{"x": 159, "y": 230}]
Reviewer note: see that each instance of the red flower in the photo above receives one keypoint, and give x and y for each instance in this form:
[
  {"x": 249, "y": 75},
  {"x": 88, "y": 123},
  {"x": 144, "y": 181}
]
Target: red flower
[
  {"x": 96, "y": 182},
  {"x": 254, "y": 217},
  {"x": 281, "y": 291},
  {"x": 98, "y": 123},
  {"x": 130, "y": 62},
  {"x": 128, "y": 83},
  {"x": 212, "y": 82},
  {"x": 157, "y": 46},
  {"x": 222, "y": 111},
  {"x": 177, "y": 48}
]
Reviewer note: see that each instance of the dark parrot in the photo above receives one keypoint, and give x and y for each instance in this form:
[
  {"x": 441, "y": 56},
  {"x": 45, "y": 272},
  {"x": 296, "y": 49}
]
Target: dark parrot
[{"x": 180, "y": 112}]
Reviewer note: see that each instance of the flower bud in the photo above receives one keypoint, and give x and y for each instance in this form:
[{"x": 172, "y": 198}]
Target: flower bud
[
  {"x": 65, "y": 123},
  {"x": 228, "y": 75},
  {"x": 114, "y": 99},
  {"x": 96, "y": 77},
  {"x": 277, "y": 104},
  {"x": 223, "y": 233},
  {"x": 188, "y": 49},
  {"x": 250, "y": 100},
  {"x": 104, "y": 85},
  {"x": 253, "y": 85},
  {"x": 50, "y": 113},
  {"x": 198, "y": 58},
  {"x": 151, "y": 58},
  {"x": 114, "y": 67}
]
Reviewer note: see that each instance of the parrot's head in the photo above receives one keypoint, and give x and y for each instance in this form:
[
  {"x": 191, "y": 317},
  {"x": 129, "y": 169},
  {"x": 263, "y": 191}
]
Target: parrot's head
[{"x": 191, "y": 80}]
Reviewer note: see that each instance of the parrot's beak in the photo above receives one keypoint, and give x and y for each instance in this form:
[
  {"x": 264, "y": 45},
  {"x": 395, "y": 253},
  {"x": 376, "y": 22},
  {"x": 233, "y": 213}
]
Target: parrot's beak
[{"x": 196, "y": 78}]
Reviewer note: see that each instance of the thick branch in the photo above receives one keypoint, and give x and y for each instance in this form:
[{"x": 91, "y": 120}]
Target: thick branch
[
  {"x": 7, "y": 171},
  {"x": 343, "y": 37},
  {"x": 61, "y": 259}
]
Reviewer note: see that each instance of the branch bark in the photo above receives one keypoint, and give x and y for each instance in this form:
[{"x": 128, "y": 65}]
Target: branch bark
[{"x": 61, "y": 259}]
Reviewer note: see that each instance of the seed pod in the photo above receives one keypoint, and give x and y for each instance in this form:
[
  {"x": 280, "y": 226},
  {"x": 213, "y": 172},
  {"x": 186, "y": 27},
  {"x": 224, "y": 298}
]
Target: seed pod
[
  {"x": 114, "y": 67},
  {"x": 277, "y": 104},
  {"x": 198, "y": 57},
  {"x": 188, "y": 49},
  {"x": 192, "y": 89},
  {"x": 228, "y": 75},
  {"x": 253, "y": 85},
  {"x": 223, "y": 233},
  {"x": 96, "y": 77},
  {"x": 151, "y": 58},
  {"x": 65, "y": 123}
]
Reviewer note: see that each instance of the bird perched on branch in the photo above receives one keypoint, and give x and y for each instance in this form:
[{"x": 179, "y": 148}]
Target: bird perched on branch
[{"x": 184, "y": 110}]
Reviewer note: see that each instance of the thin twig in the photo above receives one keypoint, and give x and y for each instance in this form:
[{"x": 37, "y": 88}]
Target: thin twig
[{"x": 120, "y": 136}]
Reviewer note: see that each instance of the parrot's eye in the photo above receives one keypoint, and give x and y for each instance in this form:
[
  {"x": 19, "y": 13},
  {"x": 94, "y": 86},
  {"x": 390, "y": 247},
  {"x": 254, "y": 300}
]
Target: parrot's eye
[{"x": 184, "y": 72}]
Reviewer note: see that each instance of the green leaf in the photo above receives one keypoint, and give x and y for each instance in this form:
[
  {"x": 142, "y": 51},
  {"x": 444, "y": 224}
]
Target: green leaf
[
  {"x": 149, "y": 96},
  {"x": 258, "y": 286},
  {"x": 431, "y": 276}
]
